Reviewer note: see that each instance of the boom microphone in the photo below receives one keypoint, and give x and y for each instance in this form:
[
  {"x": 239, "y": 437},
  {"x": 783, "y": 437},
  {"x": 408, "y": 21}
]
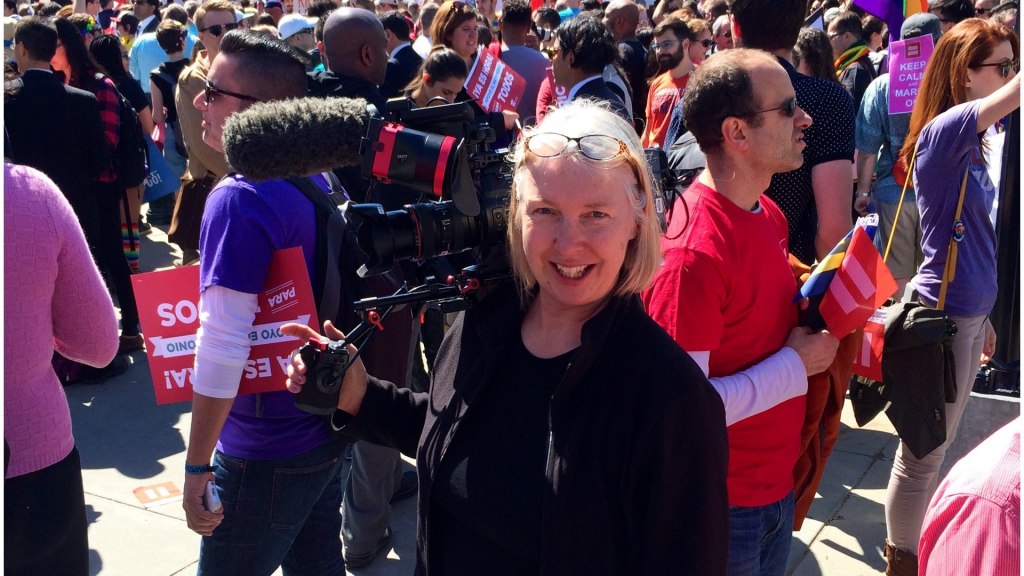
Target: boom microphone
[{"x": 296, "y": 137}]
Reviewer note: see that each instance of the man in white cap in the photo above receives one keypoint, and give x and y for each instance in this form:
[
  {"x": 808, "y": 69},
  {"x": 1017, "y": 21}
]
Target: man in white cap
[{"x": 297, "y": 31}]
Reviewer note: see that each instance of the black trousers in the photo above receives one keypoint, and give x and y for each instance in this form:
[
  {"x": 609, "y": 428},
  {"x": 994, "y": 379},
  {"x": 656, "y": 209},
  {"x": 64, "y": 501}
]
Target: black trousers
[
  {"x": 106, "y": 244},
  {"x": 45, "y": 527}
]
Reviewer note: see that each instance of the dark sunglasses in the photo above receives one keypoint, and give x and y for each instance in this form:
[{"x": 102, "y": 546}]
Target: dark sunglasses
[
  {"x": 1005, "y": 67},
  {"x": 218, "y": 29},
  {"x": 210, "y": 91},
  {"x": 706, "y": 43},
  {"x": 788, "y": 108},
  {"x": 981, "y": 11}
]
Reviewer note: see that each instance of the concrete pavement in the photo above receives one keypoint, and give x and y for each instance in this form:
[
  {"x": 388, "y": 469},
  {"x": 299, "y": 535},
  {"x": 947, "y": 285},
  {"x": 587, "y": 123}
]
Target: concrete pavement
[{"x": 128, "y": 442}]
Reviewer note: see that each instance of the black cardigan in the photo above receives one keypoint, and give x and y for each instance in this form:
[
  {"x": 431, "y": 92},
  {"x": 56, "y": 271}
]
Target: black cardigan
[{"x": 637, "y": 445}]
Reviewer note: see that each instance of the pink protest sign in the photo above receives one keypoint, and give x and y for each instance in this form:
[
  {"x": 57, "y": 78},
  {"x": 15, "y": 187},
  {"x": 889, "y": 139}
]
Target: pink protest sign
[
  {"x": 168, "y": 304},
  {"x": 494, "y": 85},
  {"x": 907, "y": 61}
]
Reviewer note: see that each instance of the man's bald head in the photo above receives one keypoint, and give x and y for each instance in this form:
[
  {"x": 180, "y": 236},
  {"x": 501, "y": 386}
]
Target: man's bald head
[
  {"x": 355, "y": 44},
  {"x": 622, "y": 17}
]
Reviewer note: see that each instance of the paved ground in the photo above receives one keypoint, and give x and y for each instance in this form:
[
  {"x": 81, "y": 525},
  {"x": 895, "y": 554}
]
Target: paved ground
[{"x": 128, "y": 442}]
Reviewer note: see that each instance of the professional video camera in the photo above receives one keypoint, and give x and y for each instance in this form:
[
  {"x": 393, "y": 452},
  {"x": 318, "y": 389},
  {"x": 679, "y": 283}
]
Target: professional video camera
[{"x": 442, "y": 152}]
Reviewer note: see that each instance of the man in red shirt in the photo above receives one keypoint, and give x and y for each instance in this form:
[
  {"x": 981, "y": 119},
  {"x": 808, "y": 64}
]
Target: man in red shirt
[
  {"x": 725, "y": 292},
  {"x": 671, "y": 43}
]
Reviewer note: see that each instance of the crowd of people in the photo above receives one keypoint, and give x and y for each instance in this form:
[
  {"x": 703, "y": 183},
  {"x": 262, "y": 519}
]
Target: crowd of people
[{"x": 640, "y": 397}]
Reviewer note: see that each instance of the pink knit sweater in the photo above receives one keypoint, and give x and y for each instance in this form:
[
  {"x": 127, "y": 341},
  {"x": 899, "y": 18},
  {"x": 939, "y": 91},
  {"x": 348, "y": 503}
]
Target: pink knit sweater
[{"x": 53, "y": 299}]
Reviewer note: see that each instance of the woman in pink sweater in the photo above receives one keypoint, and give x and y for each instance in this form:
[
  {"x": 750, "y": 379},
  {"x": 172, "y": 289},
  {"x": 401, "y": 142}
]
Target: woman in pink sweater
[{"x": 54, "y": 299}]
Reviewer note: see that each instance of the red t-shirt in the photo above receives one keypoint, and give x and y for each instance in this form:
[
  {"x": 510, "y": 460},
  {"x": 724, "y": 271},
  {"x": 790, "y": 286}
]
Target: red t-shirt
[
  {"x": 726, "y": 287},
  {"x": 663, "y": 96}
]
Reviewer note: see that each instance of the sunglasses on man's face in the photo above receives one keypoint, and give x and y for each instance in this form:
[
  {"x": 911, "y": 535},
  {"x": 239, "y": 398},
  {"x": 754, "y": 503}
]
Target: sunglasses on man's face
[
  {"x": 1005, "y": 67},
  {"x": 210, "y": 92},
  {"x": 788, "y": 109},
  {"x": 218, "y": 29}
]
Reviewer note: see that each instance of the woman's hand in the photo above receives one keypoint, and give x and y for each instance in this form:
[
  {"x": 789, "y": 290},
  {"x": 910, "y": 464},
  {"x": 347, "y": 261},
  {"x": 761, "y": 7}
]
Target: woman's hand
[
  {"x": 353, "y": 387},
  {"x": 511, "y": 117},
  {"x": 990, "y": 342}
]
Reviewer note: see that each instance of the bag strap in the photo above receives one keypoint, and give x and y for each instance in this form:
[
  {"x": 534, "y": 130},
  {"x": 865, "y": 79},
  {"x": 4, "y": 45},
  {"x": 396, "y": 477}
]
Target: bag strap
[
  {"x": 949, "y": 273},
  {"x": 899, "y": 207}
]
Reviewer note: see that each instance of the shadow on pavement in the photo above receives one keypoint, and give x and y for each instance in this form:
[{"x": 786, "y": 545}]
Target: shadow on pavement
[{"x": 117, "y": 423}]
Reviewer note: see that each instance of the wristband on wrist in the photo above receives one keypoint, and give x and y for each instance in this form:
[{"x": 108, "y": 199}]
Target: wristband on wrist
[
  {"x": 863, "y": 194},
  {"x": 198, "y": 468}
]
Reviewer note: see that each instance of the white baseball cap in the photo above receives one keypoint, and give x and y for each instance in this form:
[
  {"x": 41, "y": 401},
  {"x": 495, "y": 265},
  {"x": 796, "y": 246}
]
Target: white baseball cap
[{"x": 292, "y": 24}]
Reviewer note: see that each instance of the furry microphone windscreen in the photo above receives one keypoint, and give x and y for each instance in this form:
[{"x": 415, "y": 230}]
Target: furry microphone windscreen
[{"x": 297, "y": 137}]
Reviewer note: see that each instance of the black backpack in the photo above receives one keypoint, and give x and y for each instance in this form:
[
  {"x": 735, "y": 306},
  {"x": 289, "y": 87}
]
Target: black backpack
[{"x": 131, "y": 157}]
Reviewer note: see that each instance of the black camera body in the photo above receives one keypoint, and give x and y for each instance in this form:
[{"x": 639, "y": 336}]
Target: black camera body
[
  {"x": 326, "y": 363},
  {"x": 442, "y": 152}
]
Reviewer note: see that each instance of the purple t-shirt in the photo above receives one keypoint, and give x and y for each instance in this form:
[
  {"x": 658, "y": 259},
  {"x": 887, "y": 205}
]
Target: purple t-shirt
[
  {"x": 948, "y": 145},
  {"x": 243, "y": 225}
]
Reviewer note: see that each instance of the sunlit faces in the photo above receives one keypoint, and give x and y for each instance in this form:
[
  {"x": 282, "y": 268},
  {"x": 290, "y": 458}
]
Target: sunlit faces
[
  {"x": 214, "y": 18},
  {"x": 577, "y": 221},
  {"x": 779, "y": 140},
  {"x": 699, "y": 47},
  {"x": 988, "y": 78},
  {"x": 223, "y": 74},
  {"x": 670, "y": 49},
  {"x": 464, "y": 39}
]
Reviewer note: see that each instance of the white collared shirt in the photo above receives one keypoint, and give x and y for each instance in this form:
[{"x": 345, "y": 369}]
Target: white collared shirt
[
  {"x": 572, "y": 93},
  {"x": 399, "y": 47},
  {"x": 143, "y": 24}
]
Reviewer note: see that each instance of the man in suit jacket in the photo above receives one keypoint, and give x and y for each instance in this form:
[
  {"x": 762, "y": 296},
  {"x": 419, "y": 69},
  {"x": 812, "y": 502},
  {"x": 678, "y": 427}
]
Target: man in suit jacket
[
  {"x": 404, "y": 63},
  {"x": 52, "y": 127},
  {"x": 148, "y": 13},
  {"x": 584, "y": 47}
]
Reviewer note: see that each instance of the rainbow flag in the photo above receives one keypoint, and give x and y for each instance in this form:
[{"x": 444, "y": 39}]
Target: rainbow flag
[{"x": 892, "y": 12}]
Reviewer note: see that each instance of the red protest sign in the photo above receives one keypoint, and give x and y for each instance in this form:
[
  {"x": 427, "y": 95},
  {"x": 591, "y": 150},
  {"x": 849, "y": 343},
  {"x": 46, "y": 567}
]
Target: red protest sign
[
  {"x": 494, "y": 85},
  {"x": 168, "y": 304}
]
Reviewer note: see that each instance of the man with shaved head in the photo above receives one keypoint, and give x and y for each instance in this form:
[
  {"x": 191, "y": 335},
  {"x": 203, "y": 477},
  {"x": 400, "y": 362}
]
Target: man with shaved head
[
  {"x": 622, "y": 17},
  {"x": 356, "y": 60},
  {"x": 355, "y": 57}
]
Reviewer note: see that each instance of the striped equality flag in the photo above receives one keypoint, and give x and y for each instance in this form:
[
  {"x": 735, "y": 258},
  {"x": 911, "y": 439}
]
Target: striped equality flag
[
  {"x": 817, "y": 283},
  {"x": 892, "y": 12},
  {"x": 860, "y": 284}
]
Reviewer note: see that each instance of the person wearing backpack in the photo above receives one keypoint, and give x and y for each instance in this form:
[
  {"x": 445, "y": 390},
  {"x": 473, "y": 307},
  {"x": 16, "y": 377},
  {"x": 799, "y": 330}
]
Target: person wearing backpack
[
  {"x": 171, "y": 36},
  {"x": 80, "y": 70}
]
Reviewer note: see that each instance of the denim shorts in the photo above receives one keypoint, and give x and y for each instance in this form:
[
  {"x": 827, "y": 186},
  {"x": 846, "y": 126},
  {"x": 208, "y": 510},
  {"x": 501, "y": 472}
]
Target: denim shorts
[{"x": 278, "y": 513}]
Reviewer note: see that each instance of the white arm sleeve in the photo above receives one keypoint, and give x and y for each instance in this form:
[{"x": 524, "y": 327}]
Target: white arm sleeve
[
  {"x": 222, "y": 343},
  {"x": 768, "y": 383}
]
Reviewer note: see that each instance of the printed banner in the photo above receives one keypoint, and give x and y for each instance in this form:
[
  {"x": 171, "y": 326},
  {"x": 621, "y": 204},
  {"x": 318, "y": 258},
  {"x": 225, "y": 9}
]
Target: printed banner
[
  {"x": 494, "y": 85},
  {"x": 907, "y": 61},
  {"x": 168, "y": 304}
]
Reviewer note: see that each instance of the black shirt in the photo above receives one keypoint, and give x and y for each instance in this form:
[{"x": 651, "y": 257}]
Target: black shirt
[
  {"x": 129, "y": 88},
  {"x": 830, "y": 137},
  {"x": 159, "y": 77},
  {"x": 489, "y": 490}
]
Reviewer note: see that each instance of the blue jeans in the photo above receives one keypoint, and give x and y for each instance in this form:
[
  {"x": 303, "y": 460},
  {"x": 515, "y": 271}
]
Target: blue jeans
[
  {"x": 278, "y": 513},
  {"x": 759, "y": 538}
]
